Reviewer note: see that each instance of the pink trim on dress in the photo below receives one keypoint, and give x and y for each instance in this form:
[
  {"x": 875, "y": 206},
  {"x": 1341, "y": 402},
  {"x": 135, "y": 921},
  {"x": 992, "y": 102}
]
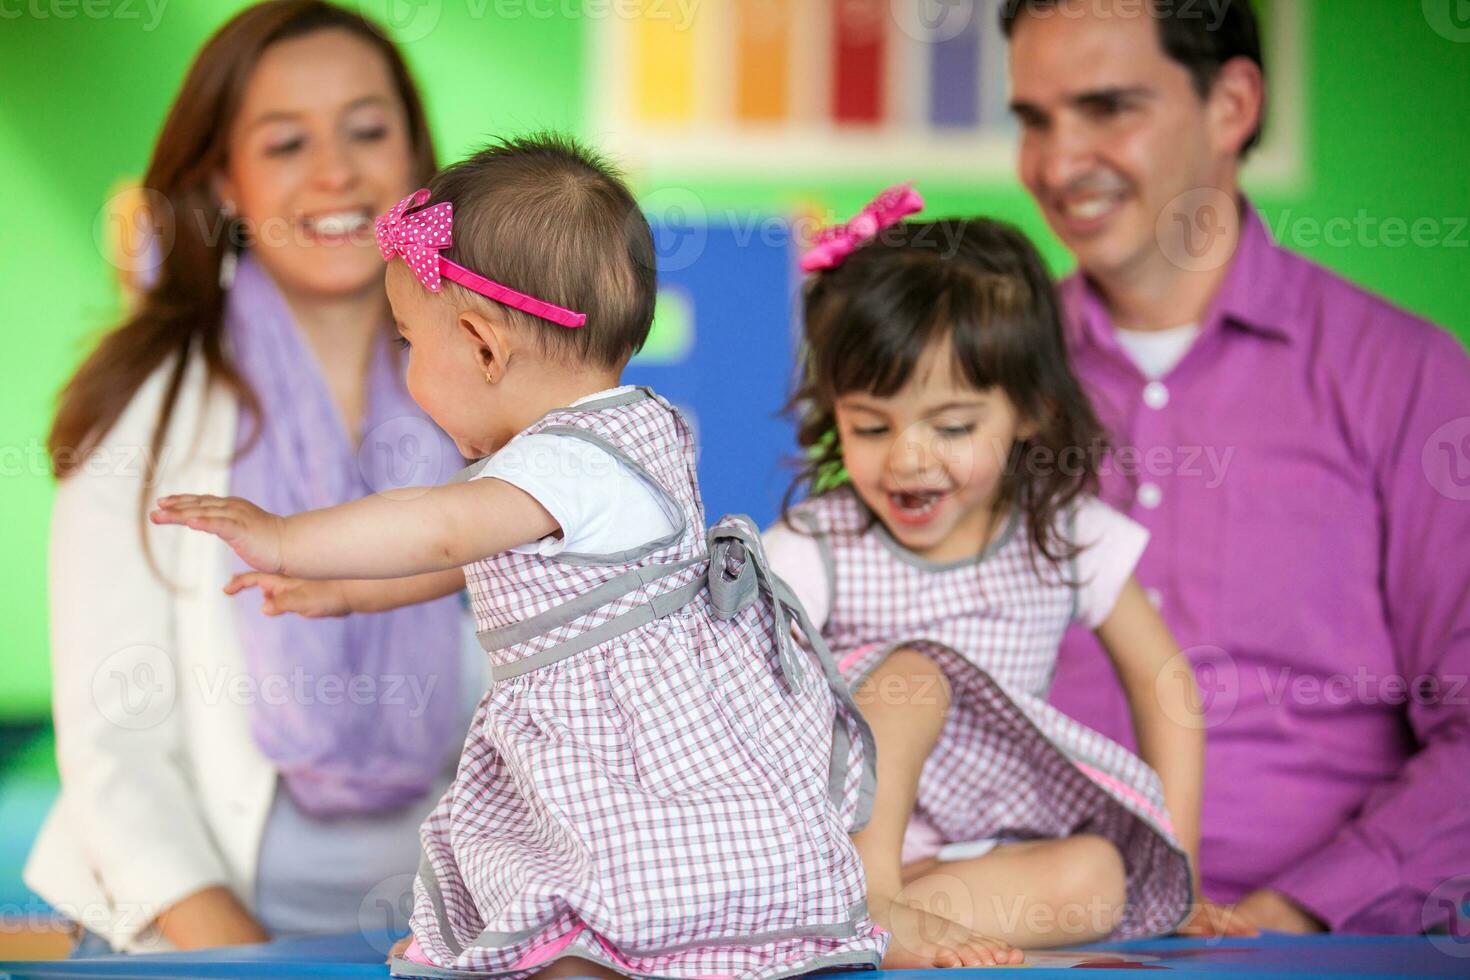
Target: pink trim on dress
[
  {"x": 553, "y": 947},
  {"x": 856, "y": 655},
  {"x": 1128, "y": 792},
  {"x": 540, "y": 954},
  {"x": 414, "y": 953}
]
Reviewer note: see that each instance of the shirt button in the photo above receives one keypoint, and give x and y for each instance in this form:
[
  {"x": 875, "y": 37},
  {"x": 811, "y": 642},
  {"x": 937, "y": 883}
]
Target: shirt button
[
  {"x": 1156, "y": 394},
  {"x": 1155, "y": 598},
  {"x": 1150, "y": 496}
]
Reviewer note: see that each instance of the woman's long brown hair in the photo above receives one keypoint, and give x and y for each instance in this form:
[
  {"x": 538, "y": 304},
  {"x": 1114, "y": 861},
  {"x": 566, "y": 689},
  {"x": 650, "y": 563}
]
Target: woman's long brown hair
[{"x": 185, "y": 304}]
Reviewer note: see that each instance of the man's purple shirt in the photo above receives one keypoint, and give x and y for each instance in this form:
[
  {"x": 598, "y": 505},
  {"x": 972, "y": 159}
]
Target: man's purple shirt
[{"x": 1305, "y": 473}]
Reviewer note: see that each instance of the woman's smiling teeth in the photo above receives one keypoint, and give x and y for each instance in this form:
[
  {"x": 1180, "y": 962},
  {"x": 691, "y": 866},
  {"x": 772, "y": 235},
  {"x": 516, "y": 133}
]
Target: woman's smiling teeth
[{"x": 338, "y": 224}]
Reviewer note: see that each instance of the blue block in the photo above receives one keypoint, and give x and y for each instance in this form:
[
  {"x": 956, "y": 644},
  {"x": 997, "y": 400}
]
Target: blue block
[{"x": 740, "y": 286}]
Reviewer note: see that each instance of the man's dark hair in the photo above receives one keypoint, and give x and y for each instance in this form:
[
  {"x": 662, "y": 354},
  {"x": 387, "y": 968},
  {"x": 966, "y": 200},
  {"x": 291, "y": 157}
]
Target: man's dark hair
[
  {"x": 1201, "y": 35},
  {"x": 548, "y": 216}
]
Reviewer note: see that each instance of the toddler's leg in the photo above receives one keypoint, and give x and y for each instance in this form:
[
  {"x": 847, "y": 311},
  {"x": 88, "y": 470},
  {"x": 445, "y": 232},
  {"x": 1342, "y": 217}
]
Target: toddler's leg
[
  {"x": 573, "y": 966},
  {"x": 905, "y": 701},
  {"x": 1034, "y": 894}
]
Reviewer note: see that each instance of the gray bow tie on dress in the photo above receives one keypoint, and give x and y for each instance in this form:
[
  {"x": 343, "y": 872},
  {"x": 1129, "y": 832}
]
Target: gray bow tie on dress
[{"x": 737, "y": 574}]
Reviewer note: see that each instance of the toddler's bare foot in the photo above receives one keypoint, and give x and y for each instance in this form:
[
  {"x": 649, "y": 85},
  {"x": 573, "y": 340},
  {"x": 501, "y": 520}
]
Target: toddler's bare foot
[{"x": 922, "y": 940}]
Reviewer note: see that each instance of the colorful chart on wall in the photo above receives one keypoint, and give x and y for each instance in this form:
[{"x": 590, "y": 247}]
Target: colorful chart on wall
[{"x": 852, "y": 86}]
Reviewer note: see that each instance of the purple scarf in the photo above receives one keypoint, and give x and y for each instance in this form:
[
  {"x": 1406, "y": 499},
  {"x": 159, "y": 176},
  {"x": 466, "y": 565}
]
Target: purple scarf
[{"x": 358, "y": 714}]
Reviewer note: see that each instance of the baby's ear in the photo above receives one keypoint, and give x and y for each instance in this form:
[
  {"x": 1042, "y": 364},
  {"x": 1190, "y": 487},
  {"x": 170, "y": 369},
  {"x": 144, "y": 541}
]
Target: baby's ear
[
  {"x": 475, "y": 324},
  {"x": 490, "y": 339}
]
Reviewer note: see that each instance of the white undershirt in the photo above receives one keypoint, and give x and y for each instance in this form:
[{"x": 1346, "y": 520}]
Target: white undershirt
[
  {"x": 1157, "y": 351},
  {"x": 602, "y": 505}
]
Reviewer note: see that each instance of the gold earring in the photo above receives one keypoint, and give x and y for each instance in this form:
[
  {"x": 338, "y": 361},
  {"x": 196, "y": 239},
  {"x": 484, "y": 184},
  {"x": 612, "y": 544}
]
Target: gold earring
[{"x": 488, "y": 379}]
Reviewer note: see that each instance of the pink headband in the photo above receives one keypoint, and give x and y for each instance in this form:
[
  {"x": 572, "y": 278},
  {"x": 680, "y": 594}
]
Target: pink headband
[
  {"x": 421, "y": 234},
  {"x": 835, "y": 244}
]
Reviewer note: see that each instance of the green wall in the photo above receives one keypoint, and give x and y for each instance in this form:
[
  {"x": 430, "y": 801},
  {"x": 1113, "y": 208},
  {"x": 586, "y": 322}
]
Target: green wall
[{"x": 86, "y": 87}]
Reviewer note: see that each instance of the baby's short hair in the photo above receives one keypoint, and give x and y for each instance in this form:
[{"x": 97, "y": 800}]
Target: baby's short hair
[{"x": 549, "y": 217}]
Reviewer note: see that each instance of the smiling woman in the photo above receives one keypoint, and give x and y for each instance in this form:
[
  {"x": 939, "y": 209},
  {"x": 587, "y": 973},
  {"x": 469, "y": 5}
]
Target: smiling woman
[
  {"x": 319, "y": 147},
  {"x": 196, "y": 809}
]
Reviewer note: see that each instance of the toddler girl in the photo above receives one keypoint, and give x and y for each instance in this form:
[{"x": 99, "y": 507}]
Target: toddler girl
[
  {"x": 952, "y": 539},
  {"x": 659, "y": 780}
]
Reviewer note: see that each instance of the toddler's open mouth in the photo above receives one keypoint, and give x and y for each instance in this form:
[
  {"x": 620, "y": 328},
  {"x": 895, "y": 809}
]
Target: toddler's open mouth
[{"x": 915, "y": 507}]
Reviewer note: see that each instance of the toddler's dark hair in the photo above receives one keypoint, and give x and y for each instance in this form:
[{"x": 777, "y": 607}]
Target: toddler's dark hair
[
  {"x": 549, "y": 217},
  {"x": 981, "y": 286}
]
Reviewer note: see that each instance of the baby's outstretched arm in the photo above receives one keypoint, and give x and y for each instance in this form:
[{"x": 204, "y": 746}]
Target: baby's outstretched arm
[
  {"x": 395, "y": 534},
  {"x": 318, "y": 598}
]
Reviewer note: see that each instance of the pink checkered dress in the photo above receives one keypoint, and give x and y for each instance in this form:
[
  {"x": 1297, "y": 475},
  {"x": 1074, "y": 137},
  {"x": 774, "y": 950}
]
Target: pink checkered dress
[
  {"x": 656, "y": 778},
  {"x": 1007, "y": 763}
]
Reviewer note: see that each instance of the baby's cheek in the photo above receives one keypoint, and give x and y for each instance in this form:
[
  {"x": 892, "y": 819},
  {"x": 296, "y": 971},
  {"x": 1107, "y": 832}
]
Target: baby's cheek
[
  {"x": 976, "y": 467},
  {"x": 415, "y": 382},
  {"x": 864, "y": 464}
]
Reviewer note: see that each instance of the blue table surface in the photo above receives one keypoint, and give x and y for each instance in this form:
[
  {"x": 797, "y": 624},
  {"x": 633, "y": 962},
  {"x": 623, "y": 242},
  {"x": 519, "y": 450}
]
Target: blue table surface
[{"x": 360, "y": 955}]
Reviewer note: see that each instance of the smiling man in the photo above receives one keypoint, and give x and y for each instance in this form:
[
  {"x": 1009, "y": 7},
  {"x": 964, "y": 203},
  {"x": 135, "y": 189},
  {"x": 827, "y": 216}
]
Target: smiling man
[{"x": 1316, "y": 571}]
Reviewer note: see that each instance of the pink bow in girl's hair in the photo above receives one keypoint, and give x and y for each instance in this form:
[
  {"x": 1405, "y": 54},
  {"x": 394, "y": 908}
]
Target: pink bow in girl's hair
[
  {"x": 835, "y": 244},
  {"x": 418, "y": 237}
]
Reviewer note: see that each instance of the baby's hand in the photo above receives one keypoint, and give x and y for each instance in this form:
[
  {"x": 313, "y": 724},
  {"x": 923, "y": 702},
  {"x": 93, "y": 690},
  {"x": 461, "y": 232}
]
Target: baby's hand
[
  {"x": 283, "y": 594},
  {"x": 254, "y": 534}
]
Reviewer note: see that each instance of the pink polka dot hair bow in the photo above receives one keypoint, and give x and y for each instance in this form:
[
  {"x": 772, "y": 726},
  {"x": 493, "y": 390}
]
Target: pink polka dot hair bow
[
  {"x": 835, "y": 244},
  {"x": 419, "y": 234}
]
